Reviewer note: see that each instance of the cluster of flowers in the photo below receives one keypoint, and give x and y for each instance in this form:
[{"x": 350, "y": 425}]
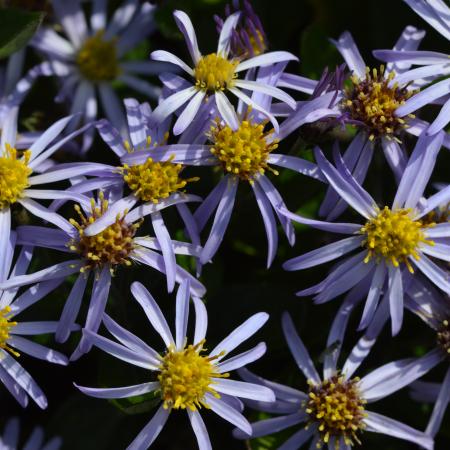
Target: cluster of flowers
[{"x": 396, "y": 257}]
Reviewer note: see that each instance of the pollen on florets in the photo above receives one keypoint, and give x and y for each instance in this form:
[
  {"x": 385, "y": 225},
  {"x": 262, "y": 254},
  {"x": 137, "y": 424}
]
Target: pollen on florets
[
  {"x": 186, "y": 376},
  {"x": 443, "y": 337},
  {"x": 214, "y": 73},
  {"x": 5, "y": 328},
  {"x": 243, "y": 152},
  {"x": 111, "y": 246},
  {"x": 153, "y": 181},
  {"x": 14, "y": 173},
  {"x": 337, "y": 407},
  {"x": 393, "y": 235},
  {"x": 373, "y": 102},
  {"x": 97, "y": 58}
]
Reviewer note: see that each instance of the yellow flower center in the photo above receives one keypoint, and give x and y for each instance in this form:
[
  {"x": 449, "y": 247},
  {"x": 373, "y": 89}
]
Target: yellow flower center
[
  {"x": 111, "y": 246},
  {"x": 186, "y": 376},
  {"x": 243, "y": 152},
  {"x": 374, "y": 100},
  {"x": 338, "y": 409},
  {"x": 443, "y": 337},
  {"x": 14, "y": 173},
  {"x": 394, "y": 236},
  {"x": 97, "y": 58},
  {"x": 5, "y": 328},
  {"x": 153, "y": 181},
  {"x": 214, "y": 73}
]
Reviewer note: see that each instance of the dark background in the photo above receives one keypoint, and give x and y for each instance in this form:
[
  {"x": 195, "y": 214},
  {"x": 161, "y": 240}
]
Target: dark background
[{"x": 238, "y": 283}]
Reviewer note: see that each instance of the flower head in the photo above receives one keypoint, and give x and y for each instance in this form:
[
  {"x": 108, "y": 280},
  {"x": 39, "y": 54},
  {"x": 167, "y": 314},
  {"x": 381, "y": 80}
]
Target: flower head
[
  {"x": 335, "y": 410},
  {"x": 89, "y": 56},
  {"x": 392, "y": 238},
  {"x": 215, "y": 74},
  {"x": 186, "y": 376}
]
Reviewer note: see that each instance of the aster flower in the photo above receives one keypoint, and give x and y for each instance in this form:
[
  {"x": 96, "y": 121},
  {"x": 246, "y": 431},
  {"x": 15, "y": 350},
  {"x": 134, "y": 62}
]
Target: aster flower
[
  {"x": 214, "y": 74},
  {"x": 186, "y": 377},
  {"x": 434, "y": 310},
  {"x": 334, "y": 411},
  {"x": 433, "y": 65},
  {"x": 102, "y": 238},
  {"x": 89, "y": 57},
  {"x": 14, "y": 334},
  {"x": 392, "y": 238},
  {"x": 151, "y": 182},
  {"x": 248, "y": 38},
  {"x": 16, "y": 170},
  {"x": 244, "y": 154},
  {"x": 10, "y": 438}
]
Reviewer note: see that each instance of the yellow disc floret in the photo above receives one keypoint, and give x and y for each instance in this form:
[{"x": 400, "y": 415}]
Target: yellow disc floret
[
  {"x": 97, "y": 58},
  {"x": 5, "y": 329},
  {"x": 243, "y": 152},
  {"x": 186, "y": 376},
  {"x": 111, "y": 246},
  {"x": 374, "y": 100},
  {"x": 14, "y": 173},
  {"x": 214, "y": 73},
  {"x": 337, "y": 407},
  {"x": 395, "y": 236},
  {"x": 154, "y": 181}
]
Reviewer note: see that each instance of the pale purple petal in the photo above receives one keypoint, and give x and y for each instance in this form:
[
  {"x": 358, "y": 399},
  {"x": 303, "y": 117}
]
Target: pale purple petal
[
  {"x": 71, "y": 308},
  {"x": 265, "y": 60},
  {"x": 228, "y": 413},
  {"x": 221, "y": 220},
  {"x": 162, "y": 55},
  {"x": 223, "y": 46},
  {"x": 153, "y": 312},
  {"x": 189, "y": 113},
  {"x": 182, "y": 314},
  {"x": 151, "y": 431},
  {"x": 120, "y": 392},
  {"x": 298, "y": 350},
  {"x": 324, "y": 254},
  {"x": 242, "y": 359},
  {"x": 185, "y": 26},
  {"x": 37, "y": 350},
  {"x": 270, "y": 223},
  {"x": 201, "y": 320},
  {"x": 349, "y": 51},
  {"x": 381, "y": 424},
  {"x": 119, "y": 351},
  {"x": 440, "y": 406},
  {"x": 239, "y": 335},
  {"x": 226, "y": 110},
  {"x": 243, "y": 389},
  {"x": 438, "y": 276},
  {"x": 200, "y": 430}
]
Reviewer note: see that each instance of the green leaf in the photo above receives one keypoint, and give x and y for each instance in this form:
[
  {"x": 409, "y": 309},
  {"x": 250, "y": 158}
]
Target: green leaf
[{"x": 16, "y": 29}]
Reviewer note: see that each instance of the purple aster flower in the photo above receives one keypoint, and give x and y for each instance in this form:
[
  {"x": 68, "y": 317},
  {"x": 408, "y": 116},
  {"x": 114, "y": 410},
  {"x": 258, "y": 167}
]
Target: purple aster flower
[
  {"x": 248, "y": 39},
  {"x": 334, "y": 412},
  {"x": 391, "y": 239},
  {"x": 90, "y": 59},
  {"x": 17, "y": 167},
  {"x": 10, "y": 438},
  {"x": 214, "y": 74},
  {"x": 150, "y": 182},
  {"x": 102, "y": 238},
  {"x": 244, "y": 154},
  {"x": 14, "y": 334},
  {"x": 186, "y": 377},
  {"x": 433, "y": 65},
  {"x": 434, "y": 310}
]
